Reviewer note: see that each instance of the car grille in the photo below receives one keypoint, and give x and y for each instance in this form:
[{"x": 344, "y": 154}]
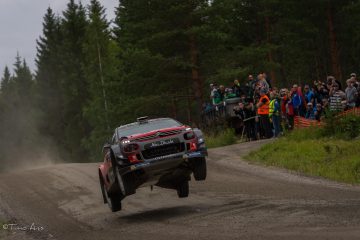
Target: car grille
[
  {"x": 158, "y": 134},
  {"x": 163, "y": 150}
]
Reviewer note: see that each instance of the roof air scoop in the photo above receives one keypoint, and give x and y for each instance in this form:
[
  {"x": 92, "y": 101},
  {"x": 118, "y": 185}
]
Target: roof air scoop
[{"x": 142, "y": 120}]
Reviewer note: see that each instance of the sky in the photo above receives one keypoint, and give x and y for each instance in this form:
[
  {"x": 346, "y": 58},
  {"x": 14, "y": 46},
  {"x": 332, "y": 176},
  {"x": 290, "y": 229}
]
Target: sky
[{"x": 21, "y": 24}]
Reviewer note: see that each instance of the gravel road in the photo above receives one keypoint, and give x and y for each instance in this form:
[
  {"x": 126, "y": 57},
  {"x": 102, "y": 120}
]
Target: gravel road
[{"x": 237, "y": 201}]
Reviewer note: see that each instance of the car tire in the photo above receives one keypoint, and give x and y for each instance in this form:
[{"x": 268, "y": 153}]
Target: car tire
[
  {"x": 118, "y": 179},
  {"x": 199, "y": 169},
  {"x": 114, "y": 202},
  {"x": 183, "y": 189},
  {"x": 102, "y": 187}
]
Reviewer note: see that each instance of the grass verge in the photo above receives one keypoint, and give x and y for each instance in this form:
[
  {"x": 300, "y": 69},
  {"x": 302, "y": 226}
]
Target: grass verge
[
  {"x": 308, "y": 151},
  {"x": 224, "y": 138}
]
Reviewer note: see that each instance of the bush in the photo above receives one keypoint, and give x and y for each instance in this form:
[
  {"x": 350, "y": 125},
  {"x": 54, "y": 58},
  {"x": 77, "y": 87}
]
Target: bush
[
  {"x": 346, "y": 127},
  {"x": 224, "y": 138}
]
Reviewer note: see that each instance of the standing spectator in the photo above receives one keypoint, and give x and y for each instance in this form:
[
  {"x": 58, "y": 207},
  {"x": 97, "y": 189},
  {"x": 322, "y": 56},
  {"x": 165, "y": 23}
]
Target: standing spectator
[
  {"x": 296, "y": 100},
  {"x": 222, "y": 92},
  {"x": 263, "y": 112},
  {"x": 263, "y": 84},
  {"x": 353, "y": 77},
  {"x": 320, "y": 92},
  {"x": 214, "y": 94},
  {"x": 248, "y": 88},
  {"x": 318, "y": 112},
  {"x": 356, "y": 84},
  {"x": 250, "y": 126},
  {"x": 274, "y": 113},
  {"x": 309, "y": 95},
  {"x": 310, "y": 112},
  {"x": 241, "y": 116},
  {"x": 283, "y": 101},
  {"x": 329, "y": 82},
  {"x": 337, "y": 98},
  {"x": 351, "y": 94},
  {"x": 246, "y": 112},
  {"x": 268, "y": 80},
  {"x": 290, "y": 113},
  {"x": 236, "y": 88},
  {"x": 251, "y": 81}
]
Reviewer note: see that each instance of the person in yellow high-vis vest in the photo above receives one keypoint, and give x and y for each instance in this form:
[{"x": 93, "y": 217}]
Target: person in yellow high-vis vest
[
  {"x": 274, "y": 113},
  {"x": 263, "y": 112}
]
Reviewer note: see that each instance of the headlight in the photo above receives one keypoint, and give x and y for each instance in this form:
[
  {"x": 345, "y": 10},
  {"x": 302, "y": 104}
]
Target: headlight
[
  {"x": 189, "y": 135},
  {"x": 130, "y": 148}
]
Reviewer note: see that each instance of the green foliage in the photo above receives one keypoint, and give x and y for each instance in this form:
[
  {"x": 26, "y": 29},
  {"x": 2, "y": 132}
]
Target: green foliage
[
  {"x": 346, "y": 127},
  {"x": 224, "y": 138},
  {"x": 309, "y": 151}
]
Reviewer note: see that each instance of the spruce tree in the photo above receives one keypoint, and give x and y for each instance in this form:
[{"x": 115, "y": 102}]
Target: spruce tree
[
  {"x": 48, "y": 78},
  {"x": 161, "y": 49},
  {"x": 5, "y": 80},
  {"x": 73, "y": 82},
  {"x": 99, "y": 69}
]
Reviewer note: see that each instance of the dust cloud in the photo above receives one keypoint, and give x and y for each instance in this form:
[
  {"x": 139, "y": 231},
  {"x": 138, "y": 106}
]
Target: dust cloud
[{"x": 22, "y": 146}]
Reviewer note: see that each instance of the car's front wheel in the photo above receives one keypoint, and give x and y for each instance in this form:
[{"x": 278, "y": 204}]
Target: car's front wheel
[
  {"x": 183, "y": 189},
  {"x": 199, "y": 169},
  {"x": 114, "y": 202}
]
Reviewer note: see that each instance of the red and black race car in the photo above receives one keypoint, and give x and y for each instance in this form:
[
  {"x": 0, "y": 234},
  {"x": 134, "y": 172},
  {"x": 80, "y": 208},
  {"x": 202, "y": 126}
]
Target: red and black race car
[{"x": 160, "y": 152}]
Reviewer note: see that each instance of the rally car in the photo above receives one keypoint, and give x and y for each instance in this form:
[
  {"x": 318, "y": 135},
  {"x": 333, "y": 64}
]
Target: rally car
[{"x": 158, "y": 152}]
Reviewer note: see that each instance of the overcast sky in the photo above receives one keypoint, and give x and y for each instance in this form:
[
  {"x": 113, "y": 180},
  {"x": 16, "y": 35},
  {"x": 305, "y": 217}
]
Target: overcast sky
[{"x": 21, "y": 25}]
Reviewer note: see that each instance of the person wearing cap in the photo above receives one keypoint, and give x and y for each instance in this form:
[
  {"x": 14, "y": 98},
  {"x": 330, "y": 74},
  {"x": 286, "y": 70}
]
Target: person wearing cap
[
  {"x": 309, "y": 95},
  {"x": 263, "y": 112}
]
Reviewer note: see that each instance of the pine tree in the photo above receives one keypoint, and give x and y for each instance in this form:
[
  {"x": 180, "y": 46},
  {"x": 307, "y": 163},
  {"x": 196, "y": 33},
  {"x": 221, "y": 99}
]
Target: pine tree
[
  {"x": 5, "y": 80},
  {"x": 74, "y": 84},
  {"x": 22, "y": 80},
  {"x": 100, "y": 71},
  {"x": 48, "y": 77},
  {"x": 160, "y": 42}
]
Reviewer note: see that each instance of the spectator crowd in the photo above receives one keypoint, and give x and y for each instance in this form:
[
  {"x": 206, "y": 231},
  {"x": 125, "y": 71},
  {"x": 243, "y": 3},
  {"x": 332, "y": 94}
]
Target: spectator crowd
[{"x": 264, "y": 111}]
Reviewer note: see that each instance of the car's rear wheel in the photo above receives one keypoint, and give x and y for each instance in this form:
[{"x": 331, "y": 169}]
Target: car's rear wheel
[
  {"x": 199, "y": 169},
  {"x": 114, "y": 202},
  {"x": 183, "y": 189}
]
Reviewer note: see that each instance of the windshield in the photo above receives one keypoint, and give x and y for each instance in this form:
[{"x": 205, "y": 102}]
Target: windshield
[{"x": 136, "y": 128}]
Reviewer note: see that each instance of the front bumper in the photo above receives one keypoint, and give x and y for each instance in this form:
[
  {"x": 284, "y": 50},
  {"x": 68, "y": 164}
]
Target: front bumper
[{"x": 150, "y": 171}]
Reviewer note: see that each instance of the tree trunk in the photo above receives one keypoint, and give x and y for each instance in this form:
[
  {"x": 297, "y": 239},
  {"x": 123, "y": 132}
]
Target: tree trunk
[{"x": 334, "y": 53}]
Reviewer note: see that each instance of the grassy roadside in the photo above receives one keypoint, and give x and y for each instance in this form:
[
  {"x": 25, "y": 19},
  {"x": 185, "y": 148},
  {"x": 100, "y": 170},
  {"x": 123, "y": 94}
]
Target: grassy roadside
[
  {"x": 318, "y": 152},
  {"x": 224, "y": 138}
]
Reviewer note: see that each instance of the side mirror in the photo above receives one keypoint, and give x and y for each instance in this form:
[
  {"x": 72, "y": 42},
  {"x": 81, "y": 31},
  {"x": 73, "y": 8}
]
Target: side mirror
[{"x": 106, "y": 147}]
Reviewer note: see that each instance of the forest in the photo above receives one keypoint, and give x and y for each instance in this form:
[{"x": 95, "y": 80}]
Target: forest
[{"x": 157, "y": 58}]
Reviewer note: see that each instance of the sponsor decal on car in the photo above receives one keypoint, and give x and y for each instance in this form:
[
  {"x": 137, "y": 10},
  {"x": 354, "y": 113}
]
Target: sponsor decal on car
[
  {"x": 194, "y": 154},
  {"x": 161, "y": 143}
]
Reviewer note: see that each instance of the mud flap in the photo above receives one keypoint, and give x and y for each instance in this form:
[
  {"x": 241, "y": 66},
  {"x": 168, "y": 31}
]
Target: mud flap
[
  {"x": 126, "y": 183},
  {"x": 120, "y": 182}
]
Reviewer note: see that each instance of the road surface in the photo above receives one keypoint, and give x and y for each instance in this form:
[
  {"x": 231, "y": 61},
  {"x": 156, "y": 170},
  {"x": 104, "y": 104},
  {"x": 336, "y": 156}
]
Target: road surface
[{"x": 237, "y": 201}]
